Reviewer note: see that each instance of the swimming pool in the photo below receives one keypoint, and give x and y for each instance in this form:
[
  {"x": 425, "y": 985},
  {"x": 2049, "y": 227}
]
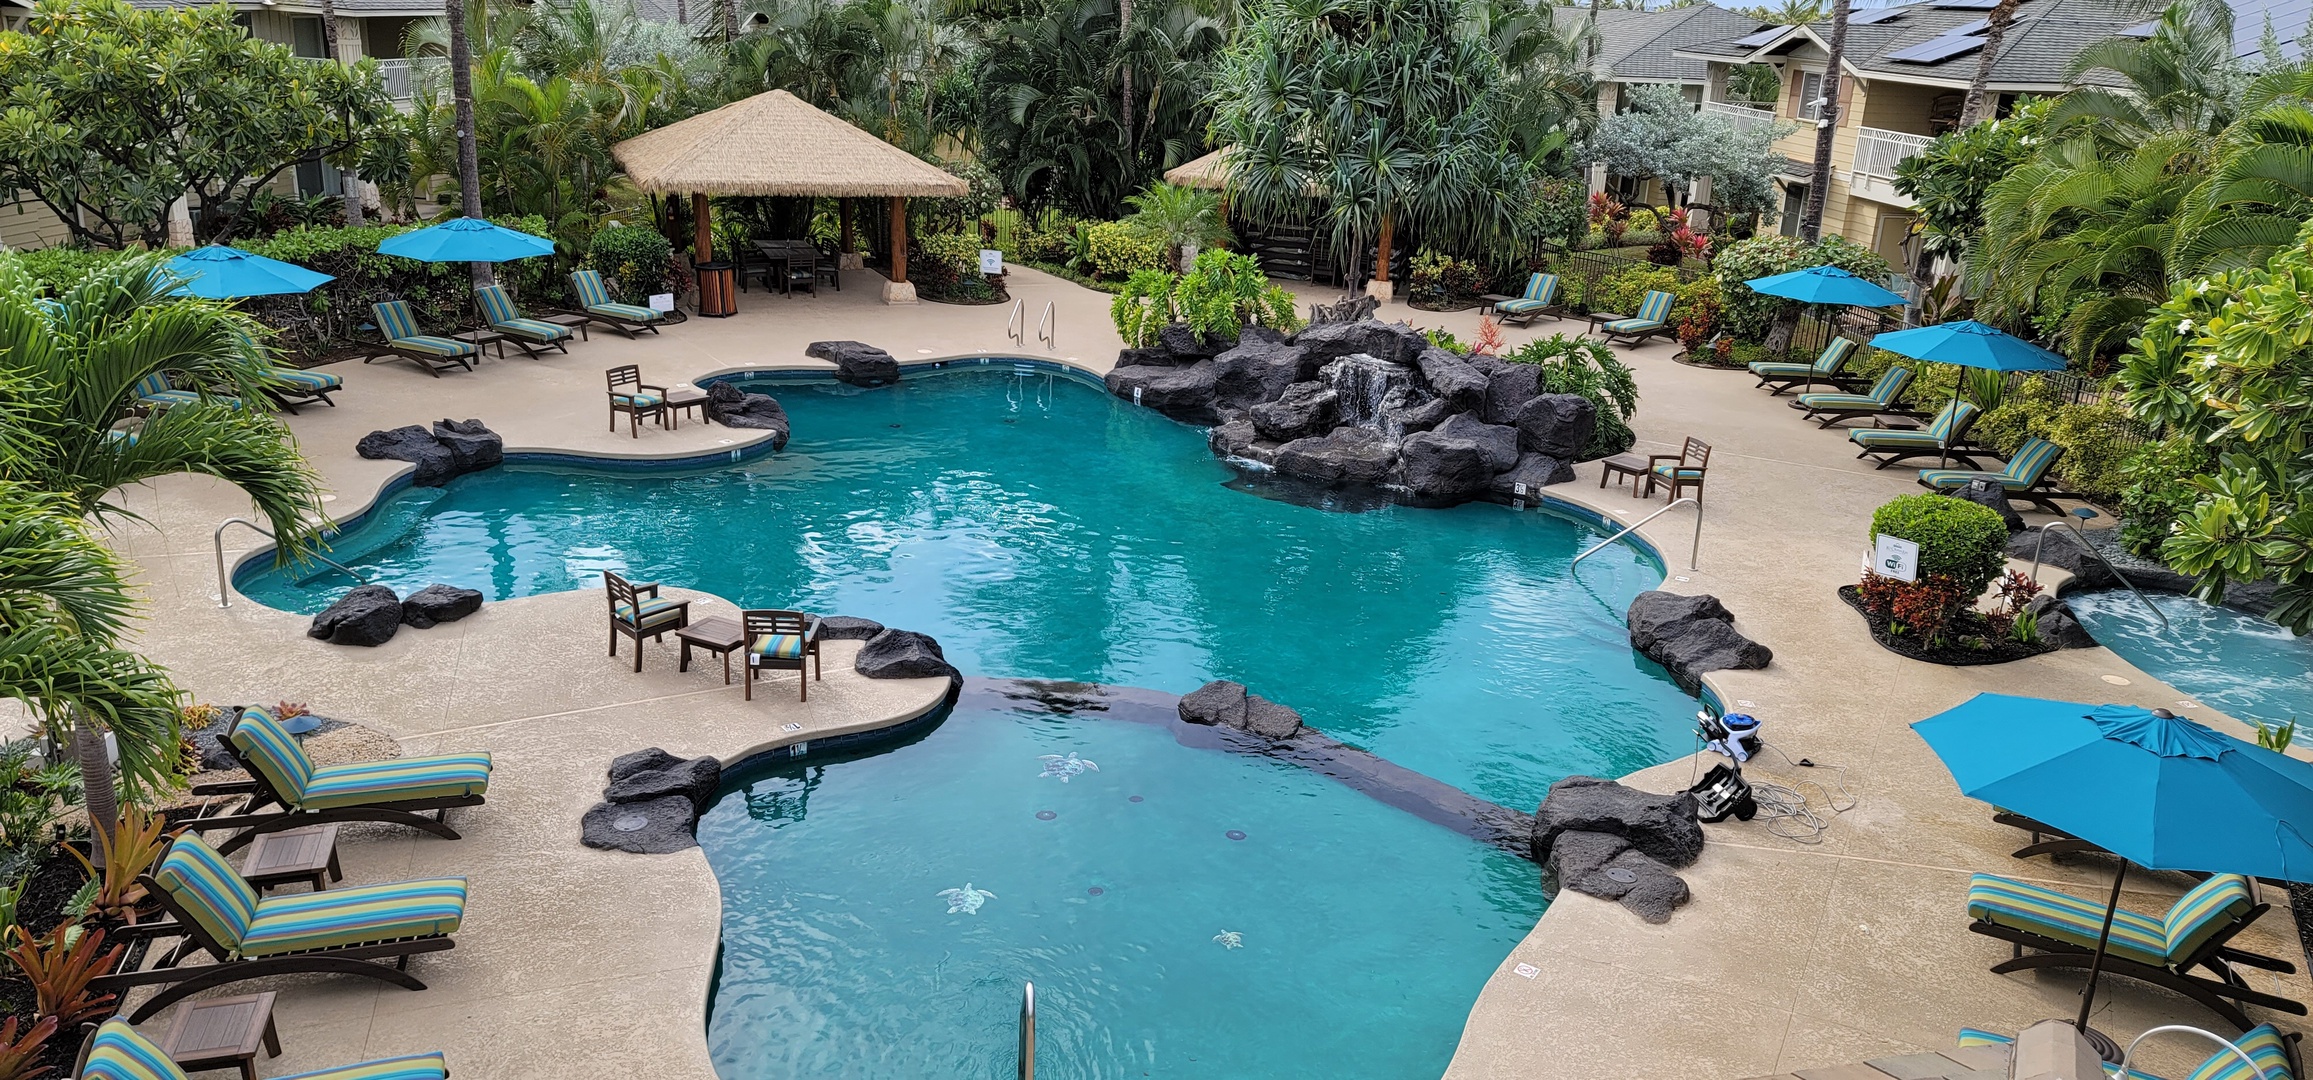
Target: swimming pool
[
  {"x": 1039, "y": 528},
  {"x": 1361, "y": 935},
  {"x": 2248, "y": 666}
]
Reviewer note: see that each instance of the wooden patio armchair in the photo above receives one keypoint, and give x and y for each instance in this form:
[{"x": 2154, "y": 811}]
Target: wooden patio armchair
[
  {"x": 782, "y": 641},
  {"x": 634, "y": 397},
  {"x": 637, "y": 611},
  {"x": 1679, "y": 471}
]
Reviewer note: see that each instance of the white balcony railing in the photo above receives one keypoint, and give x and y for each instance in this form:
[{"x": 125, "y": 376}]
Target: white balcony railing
[
  {"x": 396, "y": 72},
  {"x": 1744, "y": 117},
  {"x": 1877, "y": 151}
]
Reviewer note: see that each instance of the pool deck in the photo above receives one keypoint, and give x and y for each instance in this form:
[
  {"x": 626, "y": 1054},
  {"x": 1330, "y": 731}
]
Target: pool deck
[{"x": 579, "y": 963}]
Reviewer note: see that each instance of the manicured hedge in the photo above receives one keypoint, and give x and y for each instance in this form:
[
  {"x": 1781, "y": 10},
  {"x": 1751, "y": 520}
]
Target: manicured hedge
[{"x": 1958, "y": 539}]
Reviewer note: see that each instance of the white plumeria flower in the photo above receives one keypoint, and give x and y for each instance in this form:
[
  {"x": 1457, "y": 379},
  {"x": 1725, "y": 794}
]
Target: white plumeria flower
[{"x": 2184, "y": 326}]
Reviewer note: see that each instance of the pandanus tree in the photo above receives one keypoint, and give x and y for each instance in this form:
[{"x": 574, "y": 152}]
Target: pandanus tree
[
  {"x": 1383, "y": 113},
  {"x": 68, "y": 444}
]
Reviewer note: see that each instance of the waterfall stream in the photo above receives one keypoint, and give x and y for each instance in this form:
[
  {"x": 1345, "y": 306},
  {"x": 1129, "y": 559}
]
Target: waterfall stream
[{"x": 1373, "y": 392}]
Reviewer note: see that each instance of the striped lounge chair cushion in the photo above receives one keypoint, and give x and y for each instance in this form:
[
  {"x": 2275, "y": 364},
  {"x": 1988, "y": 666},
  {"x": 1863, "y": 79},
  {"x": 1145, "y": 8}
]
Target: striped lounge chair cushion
[
  {"x": 654, "y": 612},
  {"x": 1778, "y": 368},
  {"x": 119, "y": 1053},
  {"x": 644, "y": 400},
  {"x": 1937, "y": 434},
  {"x": 1631, "y": 326},
  {"x": 1520, "y": 306},
  {"x": 1838, "y": 401},
  {"x": 443, "y": 776},
  {"x": 631, "y": 312},
  {"x": 395, "y": 321},
  {"x": 2022, "y": 474},
  {"x": 499, "y": 309},
  {"x": 594, "y": 297},
  {"x": 414, "y": 1067},
  {"x": 435, "y": 346},
  {"x": 206, "y": 886},
  {"x": 362, "y": 915},
  {"x": 1541, "y": 290},
  {"x": 779, "y": 646},
  {"x": 1666, "y": 472},
  {"x": 2263, "y": 1043},
  {"x": 311, "y": 382},
  {"x": 532, "y": 329},
  {"x": 277, "y": 755},
  {"x": 1656, "y": 307},
  {"x": 2163, "y": 942}
]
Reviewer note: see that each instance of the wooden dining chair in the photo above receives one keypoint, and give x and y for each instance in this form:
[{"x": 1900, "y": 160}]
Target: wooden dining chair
[
  {"x": 780, "y": 640},
  {"x": 803, "y": 270},
  {"x": 637, "y": 611},
  {"x": 634, "y": 397},
  {"x": 1678, "y": 471}
]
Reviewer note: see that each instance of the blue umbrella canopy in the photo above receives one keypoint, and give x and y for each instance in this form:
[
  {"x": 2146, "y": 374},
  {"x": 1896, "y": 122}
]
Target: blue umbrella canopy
[
  {"x": 1826, "y": 285},
  {"x": 217, "y": 272},
  {"x": 2158, "y": 790},
  {"x": 466, "y": 239},
  {"x": 1969, "y": 343}
]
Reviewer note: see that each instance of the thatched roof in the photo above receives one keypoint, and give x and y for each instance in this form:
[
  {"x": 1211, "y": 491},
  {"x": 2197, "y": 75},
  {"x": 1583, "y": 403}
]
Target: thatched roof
[
  {"x": 1210, "y": 171},
  {"x": 776, "y": 144}
]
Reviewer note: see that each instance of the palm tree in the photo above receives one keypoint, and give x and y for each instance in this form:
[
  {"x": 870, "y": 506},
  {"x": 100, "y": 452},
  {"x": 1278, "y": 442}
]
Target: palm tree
[
  {"x": 1181, "y": 217},
  {"x": 2183, "y": 78},
  {"x": 70, "y": 377},
  {"x": 1826, "y": 127},
  {"x": 462, "y": 103},
  {"x": 1978, "y": 104}
]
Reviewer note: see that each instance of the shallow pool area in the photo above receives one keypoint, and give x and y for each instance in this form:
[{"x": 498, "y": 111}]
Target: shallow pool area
[
  {"x": 1184, "y": 910},
  {"x": 2246, "y": 665},
  {"x": 1039, "y": 528}
]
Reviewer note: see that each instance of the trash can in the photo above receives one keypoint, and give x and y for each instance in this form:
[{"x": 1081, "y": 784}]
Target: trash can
[{"x": 718, "y": 294}]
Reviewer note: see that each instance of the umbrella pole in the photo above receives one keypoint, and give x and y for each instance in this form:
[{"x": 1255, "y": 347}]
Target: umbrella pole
[
  {"x": 2103, "y": 939},
  {"x": 1944, "y": 461}
]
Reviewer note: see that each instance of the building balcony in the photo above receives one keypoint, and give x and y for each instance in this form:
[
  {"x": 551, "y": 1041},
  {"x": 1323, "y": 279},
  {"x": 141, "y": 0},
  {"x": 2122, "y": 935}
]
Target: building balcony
[
  {"x": 1877, "y": 152},
  {"x": 1744, "y": 117}
]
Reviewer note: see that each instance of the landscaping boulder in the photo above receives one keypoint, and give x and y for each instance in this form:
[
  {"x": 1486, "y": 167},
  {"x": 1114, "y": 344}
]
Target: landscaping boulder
[
  {"x": 1508, "y": 388},
  {"x": 209, "y": 742},
  {"x": 2057, "y": 625},
  {"x": 1559, "y": 425},
  {"x": 1453, "y": 379},
  {"x": 1223, "y": 703},
  {"x": 902, "y": 654},
  {"x": 1183, "y": 393},
  {"x": 1444, "y": 467},
  {"x": 1233, "y": 438},
  {"x": 1497, "y": 443},
  {"x": 1256, "y": 372},
  {"x": 1406, "y": 419},
  {"x": 1186, "y": 346},
  {"x": 856, "y": 362},
  {"x": 1662, "y": 827},
  {"x": 473, "y": 447},
  {"x": 1595, "y": 864},
  {"x": 1691, "y": 635},
  {"x": 735, "y": 408},
  {"x": 1345, "y": 454},
  {"x": 650, "y": 759},
  {"x": 1535, "y": 472},
  {"x": 1394, "y": 343},
  {"x": 366, "y": 616},
  {"x": 1305, "y": 408},
  {"x": 450, "y": 449},
  {"x": 848, "y": 628},
  {"x": 1261, "y": 333},
  {"x": 436, "y": 604},
  {"x": 658, "y": 827},
  {"x": 694, "y": 779},
  {"x": 1990, "y": 494}
]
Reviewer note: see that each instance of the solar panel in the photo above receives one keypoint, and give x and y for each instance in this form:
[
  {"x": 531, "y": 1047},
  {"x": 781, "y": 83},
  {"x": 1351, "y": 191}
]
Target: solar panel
[
  {"x": 1964, "y": 29},
  {"x": 1936, "y": 49},
  {"x": 1967, "y": 5},
  {"x": 1753, "y": 41},
  {"x": 2141, "y": 30},
  {"x": 1875, "y": 15}
]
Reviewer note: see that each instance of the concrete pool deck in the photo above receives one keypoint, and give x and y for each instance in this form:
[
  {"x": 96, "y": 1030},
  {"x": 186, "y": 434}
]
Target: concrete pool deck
[{"x": 580, "y": 963}]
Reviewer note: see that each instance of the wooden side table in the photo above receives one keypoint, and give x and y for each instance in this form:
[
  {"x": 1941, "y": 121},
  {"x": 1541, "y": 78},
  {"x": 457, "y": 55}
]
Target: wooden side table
[
  {"x": 1620, "y": 465},
  {"x": 223, "y": 1033},
  {"x": 308, "y": 855},
  {"x": 681, "y": 400},
  {"x": 1598, "y": 319},
  {"x": 716, "y": 634}
]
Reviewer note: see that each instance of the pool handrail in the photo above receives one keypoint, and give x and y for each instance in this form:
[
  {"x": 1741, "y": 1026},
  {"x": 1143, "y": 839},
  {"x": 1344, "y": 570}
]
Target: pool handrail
[
  {"x": 2042, "y": 542},
  {"x": 1016, "y": 324},
  {"x": 225, "y": 588},
  {"x": 1694, "y": 554},
  {"x": 1048, "y": 327},
  {"x": 2255, "y": 1069},
  {"x": 1028, "y": 1031}
]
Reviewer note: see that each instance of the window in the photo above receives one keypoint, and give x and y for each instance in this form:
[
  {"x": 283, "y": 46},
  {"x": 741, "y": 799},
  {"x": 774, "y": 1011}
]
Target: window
[
  {"x": 305, "y": 36},
  {"x": 1811, "y": 96},
  {"x": 1794, "y": 208}
]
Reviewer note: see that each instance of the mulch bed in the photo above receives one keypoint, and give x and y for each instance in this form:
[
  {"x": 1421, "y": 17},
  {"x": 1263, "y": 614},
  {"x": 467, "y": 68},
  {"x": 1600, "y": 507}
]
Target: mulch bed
[
  {"x": 1708, "y": 360},
  {"x": 1463, "y": 306},
  {"x": 49, "y": 888},
  {"x": 2001, "y": 650}
]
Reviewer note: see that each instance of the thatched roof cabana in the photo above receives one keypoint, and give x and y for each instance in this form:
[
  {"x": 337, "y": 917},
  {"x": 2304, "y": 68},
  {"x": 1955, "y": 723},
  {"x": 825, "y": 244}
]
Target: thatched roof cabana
[
  {"x": 1210, "y": 171},
  {"x": 777, "y": 144}
]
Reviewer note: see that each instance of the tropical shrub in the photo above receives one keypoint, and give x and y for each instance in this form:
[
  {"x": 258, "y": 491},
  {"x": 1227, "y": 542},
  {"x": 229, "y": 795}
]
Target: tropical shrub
[
  {"x": 1219, "y": 298},
  {"x": 442, "y": 294},
  {"x": 1625, "y": 290},
  {"x": 634, "y": 260},
  {"x": 60, "y": 964},
  {"x": 1959, "y": 540},
  {"x": 2157, "y": 489},
  {"x": 1115, "y": 249},
  {"x": 1748, "y": 315},
  {"x": 2098, "y": 440},
  {"x": 2028, "y": 411},
  {"x": 1440, "y": 282},
  {"x": 946, "y": 267},
  {"x": 1592, "y": 370}
]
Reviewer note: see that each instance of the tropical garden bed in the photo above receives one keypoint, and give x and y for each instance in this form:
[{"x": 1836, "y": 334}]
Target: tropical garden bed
[{"x": 1969, "y": 641}]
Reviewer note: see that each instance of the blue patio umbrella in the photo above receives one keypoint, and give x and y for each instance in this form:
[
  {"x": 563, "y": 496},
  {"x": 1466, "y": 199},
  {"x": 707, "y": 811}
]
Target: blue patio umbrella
[
  {"x": 1968, "y": 343},
  {"x": 467, "y": 240},
  {"x": 2154, "y": 788},
  {"x": 217, "y": 272},
  {"x": 1826, "y": 285}
]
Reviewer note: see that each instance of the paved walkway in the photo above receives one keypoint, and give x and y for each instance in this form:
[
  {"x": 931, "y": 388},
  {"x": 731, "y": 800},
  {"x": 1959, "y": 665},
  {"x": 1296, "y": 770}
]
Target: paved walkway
[{"x": 576, "y": 963}]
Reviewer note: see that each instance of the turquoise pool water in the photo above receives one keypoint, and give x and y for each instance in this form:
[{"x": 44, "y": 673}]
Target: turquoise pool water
[
  {"x": 1042, "y": 529},
  {"x": 2245, "y": 665},
  {"x": 1365, "y": 934}
]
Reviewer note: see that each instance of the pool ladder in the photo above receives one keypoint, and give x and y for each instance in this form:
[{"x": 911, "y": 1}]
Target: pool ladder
[
  {"x": 1028, "y": 1031},
  {"x": 225, "y": 591},
  {"x": 1047, "y": 328},
  {"x": 1694, "y": 553},
  {"x": 2081, "y": 538},
  {"x": 1021, "y": 390}
]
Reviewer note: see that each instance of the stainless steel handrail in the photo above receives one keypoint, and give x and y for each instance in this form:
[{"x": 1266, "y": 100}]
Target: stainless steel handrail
[
  {"x": 1016, "y": 324},
  {"x": 225, "y": 592},
  {"x": 2085, "y": 546},
  {"x": 1028, "y": 1031},
  {"x": 2255, "y": 1069},
  {"x": 1694, "y": 554},
  {"x": 1048, "y": 327}
]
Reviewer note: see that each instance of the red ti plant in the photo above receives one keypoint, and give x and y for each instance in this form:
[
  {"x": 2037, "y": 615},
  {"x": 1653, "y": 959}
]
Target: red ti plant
[
  {"x": 60, "y": 964},
  {"x": 20, "y": 1057}
]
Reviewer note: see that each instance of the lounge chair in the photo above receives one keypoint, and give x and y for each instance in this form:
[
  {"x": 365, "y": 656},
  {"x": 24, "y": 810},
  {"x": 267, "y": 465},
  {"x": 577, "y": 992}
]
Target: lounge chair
[
  {"x": 1539, "y": 299},
  {"x": 117, "y": 1052},
  {"x": 1653, "y": 318},
  {"x": 2272, "y": 1051},
  {"x": 343, "y": 931},
  {"x": 1684, "y": 469},
  {"x": 405, "y": 340},
  {"x": 1786, "y": 377},
  {"x": 1877, "y": 401},
  {"x": 634, "y": 397},
  {"x": 1945, "y": 436},
  {"x": 2162, "y": 950},
  {"x": 595, "y": 302},
  {"x": 499, "y": 311},
  {"x": 291, "y": 387},
  {"x": 397, "y": 790},
  {"x": 636, "y": 611},
  {"x": 2027, "y": 476},
  {"x": 157, "y": 393},
  {"x": 780, "y": 640}
]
